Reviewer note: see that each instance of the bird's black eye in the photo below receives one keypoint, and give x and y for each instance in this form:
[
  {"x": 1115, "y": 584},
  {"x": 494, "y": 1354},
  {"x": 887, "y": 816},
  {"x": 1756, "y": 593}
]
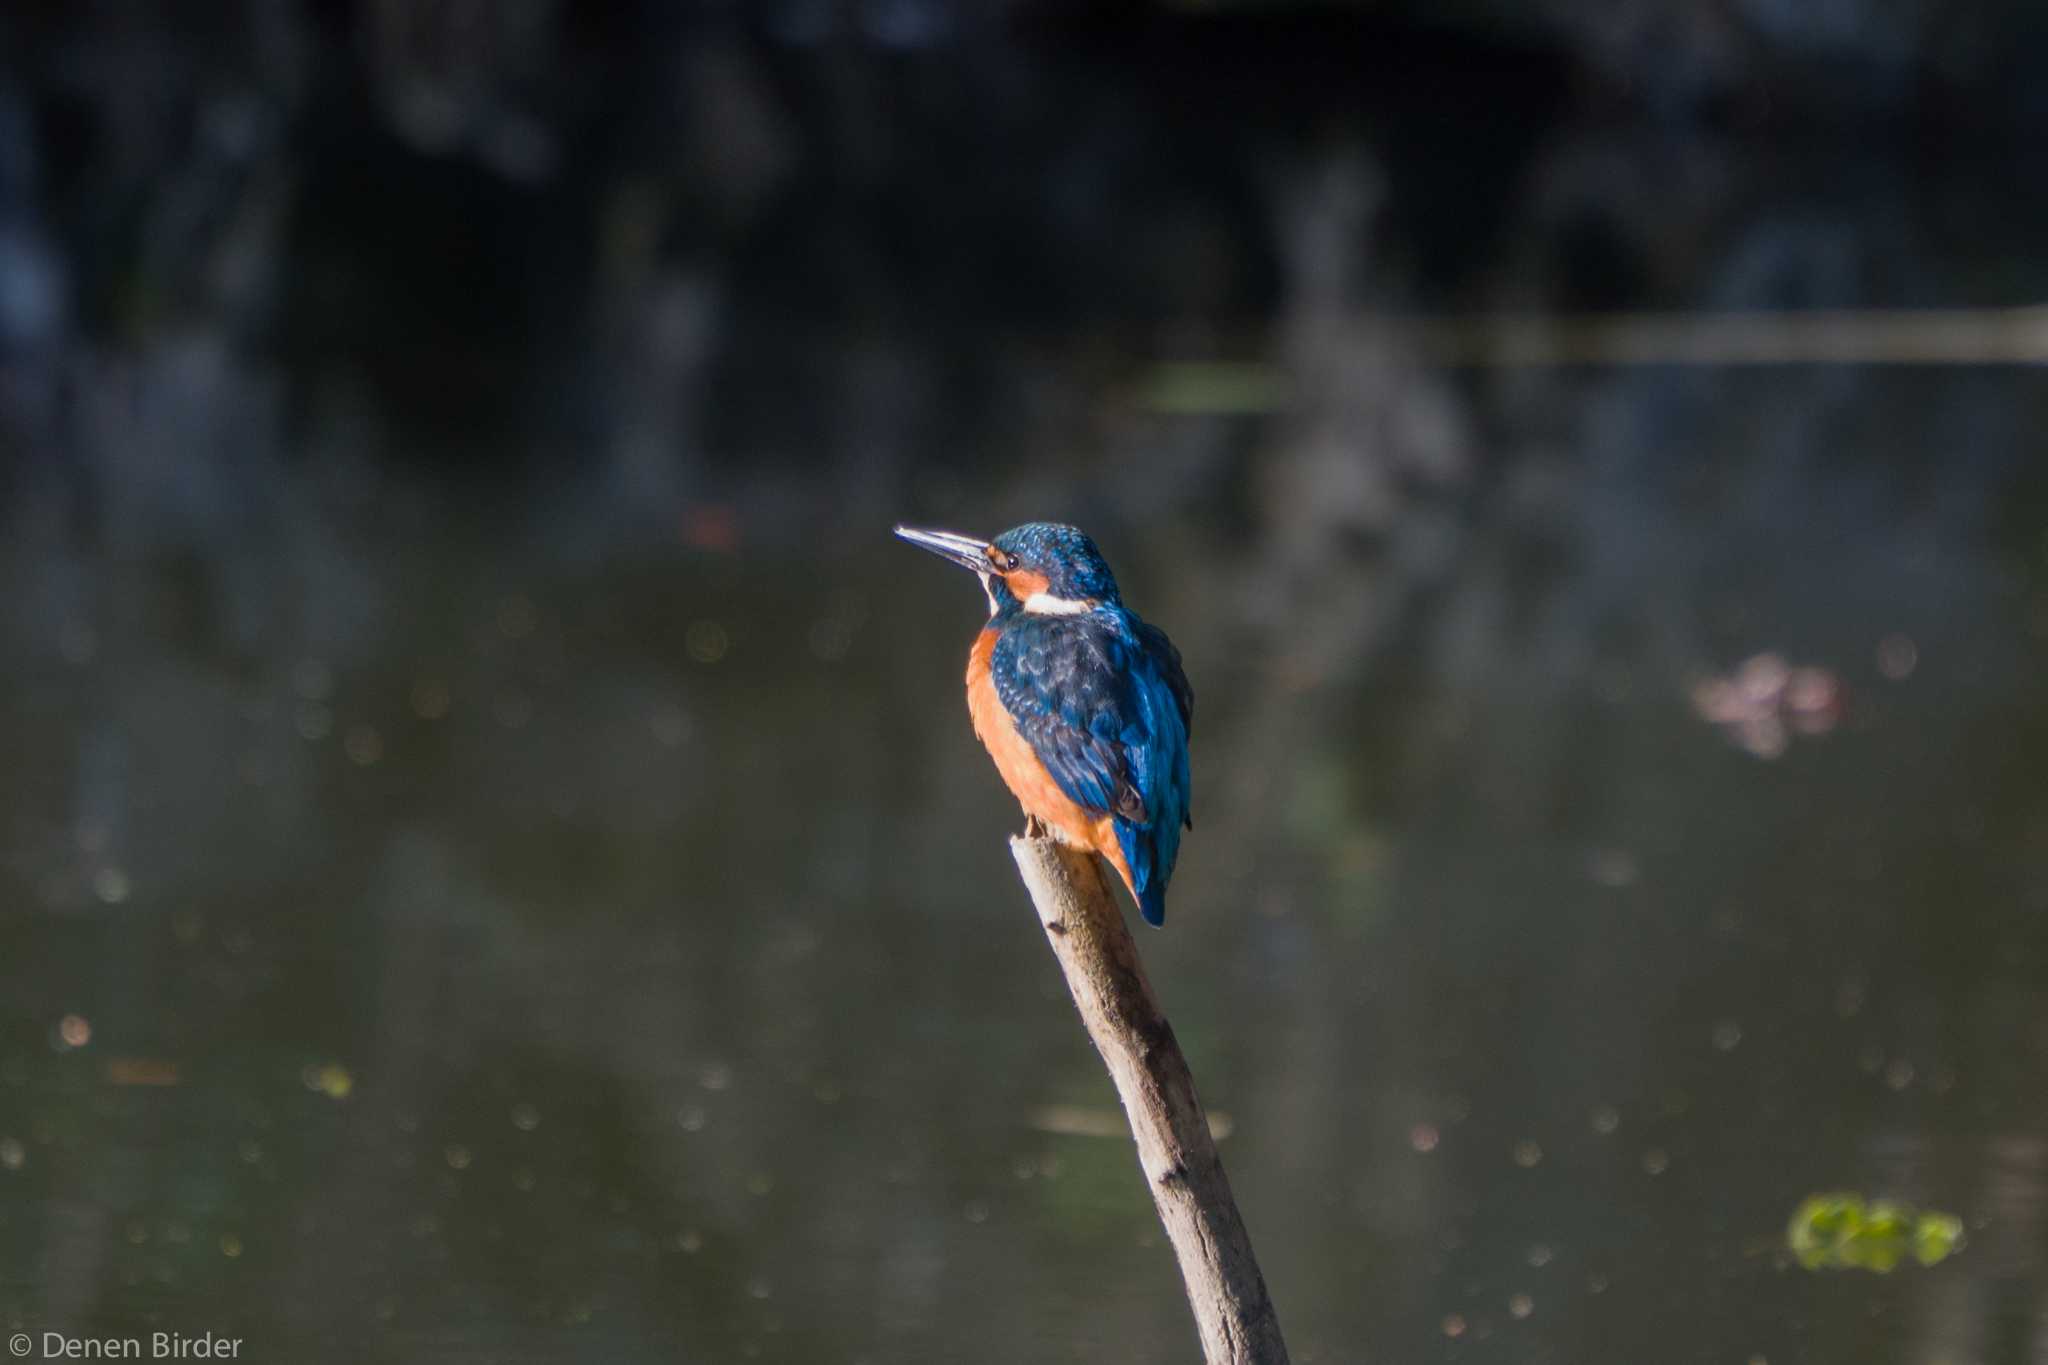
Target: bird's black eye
[{"x": 1004, "y": 561}]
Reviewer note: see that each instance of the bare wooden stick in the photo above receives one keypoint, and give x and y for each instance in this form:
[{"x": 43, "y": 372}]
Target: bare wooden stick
[{"x": 1086, "y": 929}]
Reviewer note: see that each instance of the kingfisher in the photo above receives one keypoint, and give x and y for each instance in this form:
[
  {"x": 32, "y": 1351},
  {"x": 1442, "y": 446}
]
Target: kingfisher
[{"x": 1082, "y": 705}]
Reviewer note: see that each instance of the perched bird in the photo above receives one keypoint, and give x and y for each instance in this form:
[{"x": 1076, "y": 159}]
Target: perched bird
[{"x": 1083, "y": 706}]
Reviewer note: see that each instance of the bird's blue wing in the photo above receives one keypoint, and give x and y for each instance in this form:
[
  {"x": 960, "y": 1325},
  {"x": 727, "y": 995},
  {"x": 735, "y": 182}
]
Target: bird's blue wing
[
  {"x": 1165, "y": 663},
  {"x": 1103, "y": 703},
  {"x": 1062, "y": 683}
]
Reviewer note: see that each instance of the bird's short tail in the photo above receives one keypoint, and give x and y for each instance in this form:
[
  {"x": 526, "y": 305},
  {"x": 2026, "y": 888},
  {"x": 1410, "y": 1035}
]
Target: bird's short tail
[{"x": 1141, "y": 867}]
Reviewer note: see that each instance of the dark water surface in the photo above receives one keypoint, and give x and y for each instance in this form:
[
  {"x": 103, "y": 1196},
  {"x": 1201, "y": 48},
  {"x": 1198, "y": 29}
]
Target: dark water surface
[{"x": 424, "y": 940}]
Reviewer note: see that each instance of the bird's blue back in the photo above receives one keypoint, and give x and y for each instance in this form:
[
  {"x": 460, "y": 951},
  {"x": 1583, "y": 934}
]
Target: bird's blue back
[{"x": 1101, "y": 699}]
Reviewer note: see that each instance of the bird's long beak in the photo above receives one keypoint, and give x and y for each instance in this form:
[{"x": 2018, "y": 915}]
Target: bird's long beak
[{"x": 969, "y": 552}]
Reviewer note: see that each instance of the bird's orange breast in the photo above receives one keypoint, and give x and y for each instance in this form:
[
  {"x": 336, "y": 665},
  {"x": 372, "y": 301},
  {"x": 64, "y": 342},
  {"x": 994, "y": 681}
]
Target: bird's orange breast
[{"x": 1025, "y": 774}]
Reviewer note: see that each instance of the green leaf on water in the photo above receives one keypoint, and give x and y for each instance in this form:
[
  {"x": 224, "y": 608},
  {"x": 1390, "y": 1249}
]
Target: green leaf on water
[{"x": 1843, "y": 1231}]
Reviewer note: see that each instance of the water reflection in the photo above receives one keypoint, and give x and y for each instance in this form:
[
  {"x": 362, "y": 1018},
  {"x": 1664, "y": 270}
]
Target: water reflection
[{"x": 493, "y": 950}]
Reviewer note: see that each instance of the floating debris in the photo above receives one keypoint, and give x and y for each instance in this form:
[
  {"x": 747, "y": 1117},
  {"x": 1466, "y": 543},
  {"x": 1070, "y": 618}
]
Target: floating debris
[
  {"x": 141, "y": 1071},
  {"x": 1766, "y": 701},
  {"x": 706, "y": 641},
  {"x": 331, "y": 1079},
  {"x": 431, "y": 698},
  {"x": 710, "y": 526},
  {"x": 1073, "y": 1120},
  {"x": 1897, "y": 657},
  {"x": 1842, "y": 1231},
  {"x": 363, "y": 745}
]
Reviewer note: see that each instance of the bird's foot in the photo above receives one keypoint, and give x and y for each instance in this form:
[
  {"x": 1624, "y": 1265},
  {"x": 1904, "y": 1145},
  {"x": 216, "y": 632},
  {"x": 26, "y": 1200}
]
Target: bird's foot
[{"x": 1034, "y": 828}]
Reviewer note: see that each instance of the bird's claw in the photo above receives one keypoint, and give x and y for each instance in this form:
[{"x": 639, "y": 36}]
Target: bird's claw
[{"x": 1034, "y": 828}]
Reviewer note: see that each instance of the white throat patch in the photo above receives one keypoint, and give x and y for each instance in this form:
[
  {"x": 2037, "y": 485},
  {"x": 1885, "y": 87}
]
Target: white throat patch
[{"x": 1045, "y": 604}]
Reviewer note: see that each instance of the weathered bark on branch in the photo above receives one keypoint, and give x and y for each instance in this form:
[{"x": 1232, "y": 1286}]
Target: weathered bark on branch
[{"x": 1086, "y": 928}]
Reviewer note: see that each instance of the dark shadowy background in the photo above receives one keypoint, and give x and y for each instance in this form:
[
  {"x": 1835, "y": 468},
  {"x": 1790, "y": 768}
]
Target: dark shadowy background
[{"x": 493, "y": 863}]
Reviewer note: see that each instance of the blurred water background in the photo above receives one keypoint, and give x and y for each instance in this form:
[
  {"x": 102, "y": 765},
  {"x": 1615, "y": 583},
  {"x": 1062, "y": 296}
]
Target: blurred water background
[{"x": 493, "y": 862}]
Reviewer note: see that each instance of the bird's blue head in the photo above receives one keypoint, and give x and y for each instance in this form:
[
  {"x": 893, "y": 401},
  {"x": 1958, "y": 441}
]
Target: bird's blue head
[{"x": 1040, "y": 567}]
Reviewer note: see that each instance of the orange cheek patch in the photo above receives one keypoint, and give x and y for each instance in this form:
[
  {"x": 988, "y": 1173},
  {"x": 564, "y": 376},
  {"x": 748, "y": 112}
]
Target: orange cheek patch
[{"x": 1023, "y": 582}]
